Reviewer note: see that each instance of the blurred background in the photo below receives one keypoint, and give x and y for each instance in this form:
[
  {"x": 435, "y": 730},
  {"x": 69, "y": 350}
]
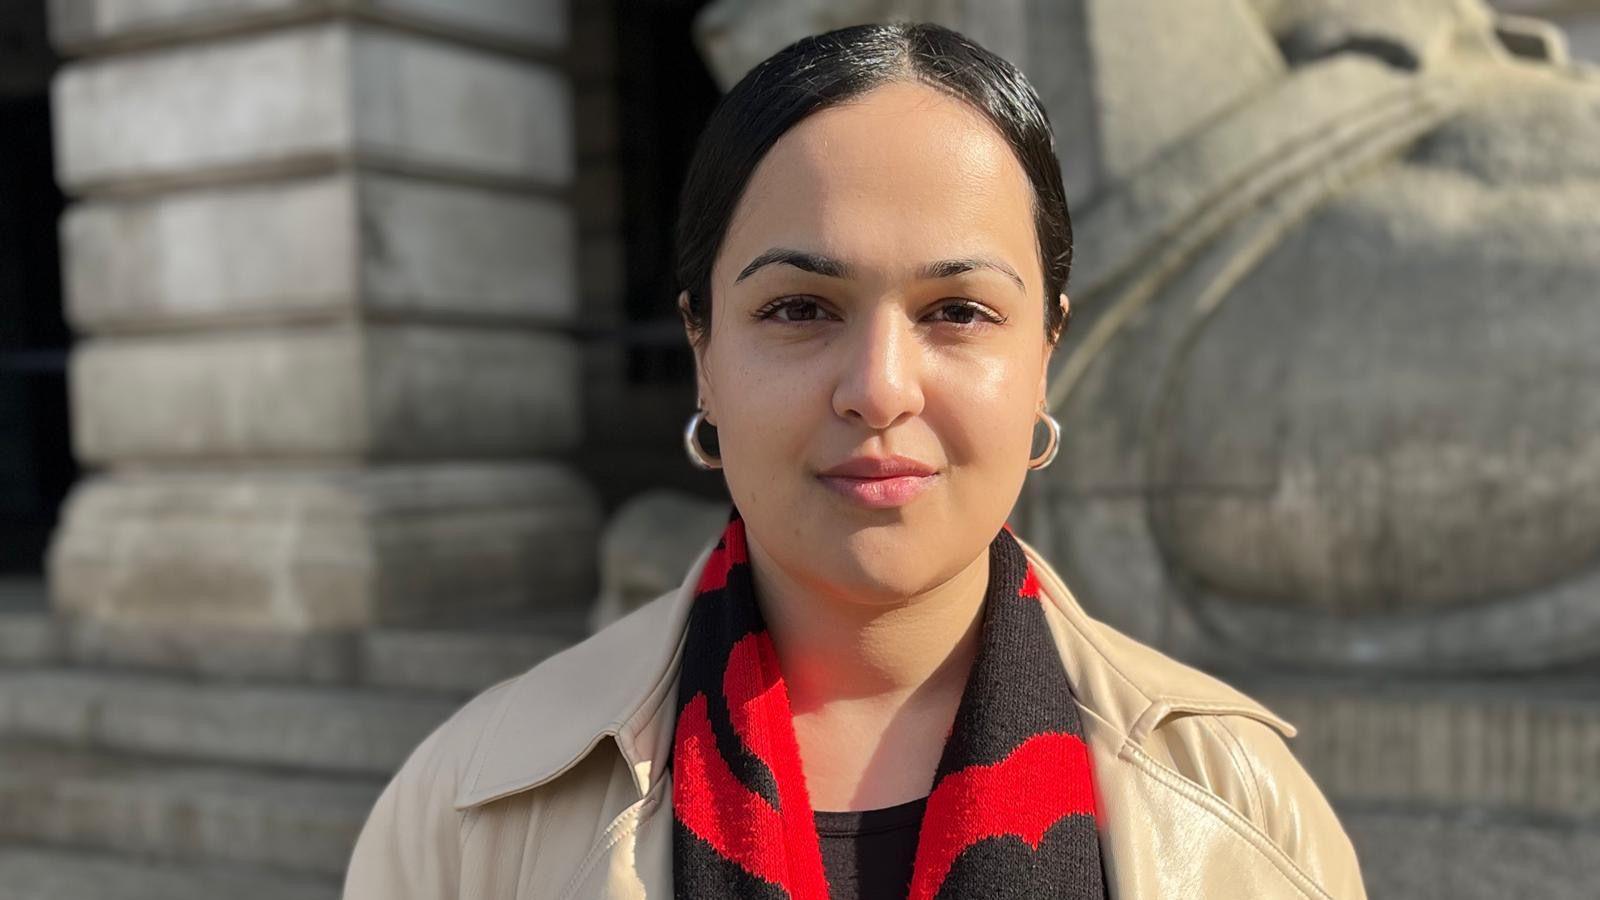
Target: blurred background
[{"x": 340, "y": 378}]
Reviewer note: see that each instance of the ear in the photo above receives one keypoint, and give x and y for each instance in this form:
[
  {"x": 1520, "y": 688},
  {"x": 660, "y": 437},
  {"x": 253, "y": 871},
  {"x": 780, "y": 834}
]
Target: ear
[
  {"x": 1044, "y": 366},
  {"x": 1066, "y": 317},
  {"x": 702, "y": 384}
]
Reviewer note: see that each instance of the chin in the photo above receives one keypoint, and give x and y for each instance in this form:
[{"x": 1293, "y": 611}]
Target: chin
[
  {"x": 880, "y": 565},
  {"x": 876, "y": 556}
]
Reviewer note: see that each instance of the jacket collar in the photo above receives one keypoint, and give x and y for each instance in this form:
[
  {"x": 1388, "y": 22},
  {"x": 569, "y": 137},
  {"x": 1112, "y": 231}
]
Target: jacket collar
[{"x": 621, "y": 684}]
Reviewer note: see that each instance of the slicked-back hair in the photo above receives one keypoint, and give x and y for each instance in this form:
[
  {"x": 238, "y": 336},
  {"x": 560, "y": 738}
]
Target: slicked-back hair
[{"x": 817, "y": 72}]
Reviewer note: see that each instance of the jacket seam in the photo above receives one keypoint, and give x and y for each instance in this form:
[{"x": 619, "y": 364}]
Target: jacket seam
[
  {"x": 536, "y": 831},
  {"x": 464, "y": 823},
  {"x": 1244, "y": 769},
  {"x": 656, "y": 702},
  {"x": 626, "y": 823},
  {"x": 1229, "y": 708},
  {"x": 1219, "y": 808}
]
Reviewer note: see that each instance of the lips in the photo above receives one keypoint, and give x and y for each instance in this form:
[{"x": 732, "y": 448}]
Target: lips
[
  {"x": 880, "y": 467},
  {"x": 880, "y": 482}
]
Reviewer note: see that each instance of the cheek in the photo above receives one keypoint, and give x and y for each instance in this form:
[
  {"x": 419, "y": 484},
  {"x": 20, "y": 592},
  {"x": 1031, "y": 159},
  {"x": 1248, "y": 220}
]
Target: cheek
[
  {"x": 982, "y": 409},
  {"x": 769, "y": 407}
]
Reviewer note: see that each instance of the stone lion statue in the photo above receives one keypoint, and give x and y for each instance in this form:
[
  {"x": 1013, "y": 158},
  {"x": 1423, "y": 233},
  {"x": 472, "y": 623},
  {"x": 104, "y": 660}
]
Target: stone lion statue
[{"x": 1331, "y": 396}]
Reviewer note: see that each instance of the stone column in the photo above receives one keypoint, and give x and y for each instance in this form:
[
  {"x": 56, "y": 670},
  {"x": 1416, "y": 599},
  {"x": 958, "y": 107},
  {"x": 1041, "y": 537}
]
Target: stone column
[{"x": 322, "y": 263}]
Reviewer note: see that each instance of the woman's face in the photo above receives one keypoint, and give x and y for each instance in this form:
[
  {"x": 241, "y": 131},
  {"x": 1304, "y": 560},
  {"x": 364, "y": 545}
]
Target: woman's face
[{"x": 878, "y": 294}]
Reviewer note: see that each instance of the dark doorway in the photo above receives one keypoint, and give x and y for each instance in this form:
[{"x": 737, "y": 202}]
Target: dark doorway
[
  {"x": 667, "y": 96},
  {"x": 663, "y": 95},
  {"x": 36, "y": 465}
]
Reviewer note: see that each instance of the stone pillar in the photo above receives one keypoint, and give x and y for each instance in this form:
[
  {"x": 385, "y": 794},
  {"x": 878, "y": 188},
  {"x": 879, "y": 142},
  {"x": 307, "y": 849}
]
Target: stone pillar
[{"x": 322, "y": 261}]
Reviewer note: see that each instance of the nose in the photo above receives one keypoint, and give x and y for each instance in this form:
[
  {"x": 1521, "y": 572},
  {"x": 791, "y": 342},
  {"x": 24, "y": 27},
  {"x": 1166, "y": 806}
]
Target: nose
[{"x": 880, "y": 377}]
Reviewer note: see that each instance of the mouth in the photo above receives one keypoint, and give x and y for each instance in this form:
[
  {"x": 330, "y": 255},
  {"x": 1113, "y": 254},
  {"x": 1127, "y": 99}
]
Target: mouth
[{"x": 879, "y": 493}]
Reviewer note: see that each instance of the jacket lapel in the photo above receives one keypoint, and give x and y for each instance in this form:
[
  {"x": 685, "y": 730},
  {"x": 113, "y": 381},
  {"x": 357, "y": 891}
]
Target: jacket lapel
[{"x": 617, "y": 684}]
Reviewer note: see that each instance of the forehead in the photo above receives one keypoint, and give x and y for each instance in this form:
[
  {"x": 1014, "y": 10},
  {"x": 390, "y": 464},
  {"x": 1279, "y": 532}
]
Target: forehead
[{"x": 904, "y": 173}]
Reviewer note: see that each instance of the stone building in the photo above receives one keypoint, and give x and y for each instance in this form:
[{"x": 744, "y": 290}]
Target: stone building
[{"x": 361, "y": 335}]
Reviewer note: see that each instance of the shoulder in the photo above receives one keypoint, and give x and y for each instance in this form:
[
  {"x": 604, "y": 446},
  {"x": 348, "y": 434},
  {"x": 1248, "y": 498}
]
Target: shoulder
[
  {"x": 1252, "y": 768},
  {"x": 1187, "y": 726},
  {"x": 409, "y": 846},
  {"x": 1247, "y": 763},
  {"x": 437, "y": 767},
  {"x": 1220, "y": 738},
  {"x": 515, "y": 736}
]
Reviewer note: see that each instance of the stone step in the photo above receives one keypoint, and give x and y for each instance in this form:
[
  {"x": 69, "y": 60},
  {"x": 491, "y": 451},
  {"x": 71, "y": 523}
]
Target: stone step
[
  {"x": 161, "y": 810},
  {"x": 462, "y": 660},
  {"x": 1527, "y": 745},
  {"x": 309, "y": 727},
  {"x": 28, "y": 636},
  {"x": 457, "y": 658},
  {"x": 1472, "y": 855},
  {"x": 32, "y": 873}
]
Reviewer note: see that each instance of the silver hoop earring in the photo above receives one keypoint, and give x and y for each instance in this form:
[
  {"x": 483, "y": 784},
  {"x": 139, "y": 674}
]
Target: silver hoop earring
[
  {"x": 1049, "y": 454},
  {"x": 691, "y": 443}
]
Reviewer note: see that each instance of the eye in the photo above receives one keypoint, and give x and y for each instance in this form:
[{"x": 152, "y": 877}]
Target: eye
[
  {"x": 964, "y": 314},
  {"x": 969, "y": 314},
  {"x": 799, "y": 309}
]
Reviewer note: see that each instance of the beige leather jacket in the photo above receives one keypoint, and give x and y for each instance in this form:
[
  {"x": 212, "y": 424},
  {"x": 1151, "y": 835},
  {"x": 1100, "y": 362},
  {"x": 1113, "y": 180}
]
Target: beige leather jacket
[{"x": 549, "y": 785}]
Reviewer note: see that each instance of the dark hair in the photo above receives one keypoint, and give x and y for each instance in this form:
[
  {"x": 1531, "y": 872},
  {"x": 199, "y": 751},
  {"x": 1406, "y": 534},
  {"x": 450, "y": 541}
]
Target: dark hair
[{"x": 824, "y": 70}]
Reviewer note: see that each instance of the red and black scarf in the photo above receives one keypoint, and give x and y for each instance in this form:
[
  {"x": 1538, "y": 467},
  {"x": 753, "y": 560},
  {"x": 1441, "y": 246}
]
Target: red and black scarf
[{"x": 1011, "y": 813}]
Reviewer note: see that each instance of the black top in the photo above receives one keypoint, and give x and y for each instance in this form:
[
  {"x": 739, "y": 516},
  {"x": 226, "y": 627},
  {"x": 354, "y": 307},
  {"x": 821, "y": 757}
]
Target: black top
[{"x": 868, "y": 853}]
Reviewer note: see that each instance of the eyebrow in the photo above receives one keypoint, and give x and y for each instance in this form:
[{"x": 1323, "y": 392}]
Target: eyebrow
[{"x": 821, "y": 264}]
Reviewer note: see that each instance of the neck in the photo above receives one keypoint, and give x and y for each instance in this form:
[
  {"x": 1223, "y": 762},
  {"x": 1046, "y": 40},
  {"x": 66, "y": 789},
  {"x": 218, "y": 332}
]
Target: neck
[{"x": 834, "y": 647}]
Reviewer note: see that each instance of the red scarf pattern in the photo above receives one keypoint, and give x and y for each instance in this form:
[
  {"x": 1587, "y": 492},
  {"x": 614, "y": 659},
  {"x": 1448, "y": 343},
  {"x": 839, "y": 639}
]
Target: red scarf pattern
[{"x": 1012, "y": 810}]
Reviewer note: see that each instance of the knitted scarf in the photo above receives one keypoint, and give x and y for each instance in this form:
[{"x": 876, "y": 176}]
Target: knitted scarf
[{"x": 1011, "y": 812}]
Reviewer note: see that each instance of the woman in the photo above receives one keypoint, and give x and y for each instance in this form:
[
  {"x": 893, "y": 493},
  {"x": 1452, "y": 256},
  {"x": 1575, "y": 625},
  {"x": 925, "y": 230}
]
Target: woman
[{"x": 868, "y": 685}]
